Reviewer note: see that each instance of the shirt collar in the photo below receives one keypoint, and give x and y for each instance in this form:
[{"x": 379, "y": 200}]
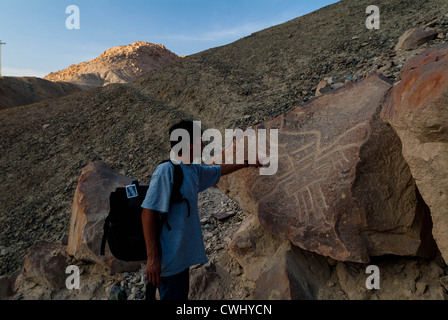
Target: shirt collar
[{"x": 175, "y": 161}]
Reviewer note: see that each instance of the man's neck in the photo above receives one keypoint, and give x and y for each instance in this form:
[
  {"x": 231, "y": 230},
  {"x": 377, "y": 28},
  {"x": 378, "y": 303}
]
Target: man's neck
[{"x": 179, "y": 159}]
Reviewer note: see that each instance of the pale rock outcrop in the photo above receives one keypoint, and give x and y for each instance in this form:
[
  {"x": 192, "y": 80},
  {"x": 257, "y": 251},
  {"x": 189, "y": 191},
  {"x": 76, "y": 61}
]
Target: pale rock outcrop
[
  {"x": 89, "y": 210},
  {"x": 119, "y": 64},
  {"x": 343, "y": 188},
  {"x": 417, "y": 109}
]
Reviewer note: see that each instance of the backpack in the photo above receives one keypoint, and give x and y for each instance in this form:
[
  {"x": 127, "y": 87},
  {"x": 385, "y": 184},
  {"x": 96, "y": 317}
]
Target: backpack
[{"x": 123, "y": 229}]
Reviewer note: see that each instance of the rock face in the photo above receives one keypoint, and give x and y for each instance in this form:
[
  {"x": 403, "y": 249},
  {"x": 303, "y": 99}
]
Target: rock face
[
  {"x": 89, "y": 210},
  {"x": 415, "y": 37},
  {"x": 417, "y": 109},
  {"x": 292, "y": 274},
  {"x": 253, "y": 248},
  {"x": 342, "y": 188},
  {"x": 117, "y": 65},
  {"x": 400, "y": 279}
]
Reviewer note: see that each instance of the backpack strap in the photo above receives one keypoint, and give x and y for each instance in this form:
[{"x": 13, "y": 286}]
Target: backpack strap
[
  {"x": 176, "y": 195},
  {"x": 178, "y": 177}
]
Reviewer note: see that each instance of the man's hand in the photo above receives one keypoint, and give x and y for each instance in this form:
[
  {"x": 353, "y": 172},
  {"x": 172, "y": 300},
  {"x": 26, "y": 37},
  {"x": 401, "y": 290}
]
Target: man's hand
[
  {"x": 153, "y": 268},
  {"x": 153, "y": 271}
]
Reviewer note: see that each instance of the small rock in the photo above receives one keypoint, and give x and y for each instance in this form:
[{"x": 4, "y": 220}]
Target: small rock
[
  {"x": 420, "y": 287},
  {"x": 223, "y": 216},
  {"x": 6, "y": 289},
  {"x": 322, "y": 87},
  {"x": 208, "y": 235},
  {"x": 331, "y": 261},
  {"x": 45, "y": 126},
  {"x": 398, "y": 268},
  {"x": 117, "y": 293},
  {"x": 330, "y": 80},
  {"x": 444, "y": 282},
  {"x": 131, "y": 296},
  {"x": 337, "y": 85},
  {"x": 4, "y": 250}
]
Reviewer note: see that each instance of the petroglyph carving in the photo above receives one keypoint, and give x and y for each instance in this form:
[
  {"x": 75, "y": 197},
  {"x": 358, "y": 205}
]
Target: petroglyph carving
[{"x": 306, "y": 166}]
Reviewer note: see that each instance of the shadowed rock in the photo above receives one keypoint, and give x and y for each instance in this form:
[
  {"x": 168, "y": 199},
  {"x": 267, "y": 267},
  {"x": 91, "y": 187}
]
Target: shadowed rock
[
  {"x": 293, "y": 274},
  {"x": 417, "y": 109}
]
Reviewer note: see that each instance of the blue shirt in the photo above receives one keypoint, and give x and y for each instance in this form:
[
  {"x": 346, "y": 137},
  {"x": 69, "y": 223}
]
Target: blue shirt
[{"x": 183, "y": 245}]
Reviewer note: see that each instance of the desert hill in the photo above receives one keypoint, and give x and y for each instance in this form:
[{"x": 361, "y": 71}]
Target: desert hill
[
  {"x": 20, "y": 91},
  {"x": 117, "y": 65},
  {"x": 250, "y": 81},
  {"x": 273, "y": 70}
]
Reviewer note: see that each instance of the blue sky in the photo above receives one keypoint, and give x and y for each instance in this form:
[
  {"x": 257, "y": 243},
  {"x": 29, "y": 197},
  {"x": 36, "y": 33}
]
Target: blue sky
[{"x": 38, "y": 42}]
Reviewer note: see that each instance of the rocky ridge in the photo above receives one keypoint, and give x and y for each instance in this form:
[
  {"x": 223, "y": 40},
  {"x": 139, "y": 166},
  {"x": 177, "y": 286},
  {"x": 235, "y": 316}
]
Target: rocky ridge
[
  {"x": 20, "y": 91},
  {"x": 119, "y": 64}
]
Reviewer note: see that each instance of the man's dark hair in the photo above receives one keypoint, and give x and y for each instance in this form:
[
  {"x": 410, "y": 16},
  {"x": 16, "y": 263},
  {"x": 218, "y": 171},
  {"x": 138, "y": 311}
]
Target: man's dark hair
[{"x": 186, "y": 125}]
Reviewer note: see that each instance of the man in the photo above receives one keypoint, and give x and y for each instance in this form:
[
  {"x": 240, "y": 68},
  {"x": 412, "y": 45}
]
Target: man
[{"x": 181, "y": 239}]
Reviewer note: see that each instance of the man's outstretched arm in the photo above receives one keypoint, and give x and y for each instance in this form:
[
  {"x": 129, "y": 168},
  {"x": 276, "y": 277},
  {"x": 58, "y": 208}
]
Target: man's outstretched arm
[
  {"x": 153, "y": 269},
  {"x": 229, "y": 168}
]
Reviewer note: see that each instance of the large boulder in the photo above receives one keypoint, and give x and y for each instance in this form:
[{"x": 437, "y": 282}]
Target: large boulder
[
  {"x": 343, "y": 188},
  {"x": 417, "y": 109},
  {"x": 89, "y": 210},
  {"x": 415, "y": 37}
]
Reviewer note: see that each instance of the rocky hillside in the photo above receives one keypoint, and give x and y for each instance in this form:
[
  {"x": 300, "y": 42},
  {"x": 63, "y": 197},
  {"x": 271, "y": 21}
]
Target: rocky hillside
[
  {"x": 273, "y": 74},
  {"x": 20, "y": 91},
  {"x": 117, "y": 65},
  {"x": 273, "y": 70}
]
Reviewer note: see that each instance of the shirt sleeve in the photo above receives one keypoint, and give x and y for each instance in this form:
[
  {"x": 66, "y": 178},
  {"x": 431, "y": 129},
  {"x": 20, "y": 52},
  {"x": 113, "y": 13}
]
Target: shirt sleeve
[
  {"x": 159, "y": 191},
  {"x": 208, "y": 176}
]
